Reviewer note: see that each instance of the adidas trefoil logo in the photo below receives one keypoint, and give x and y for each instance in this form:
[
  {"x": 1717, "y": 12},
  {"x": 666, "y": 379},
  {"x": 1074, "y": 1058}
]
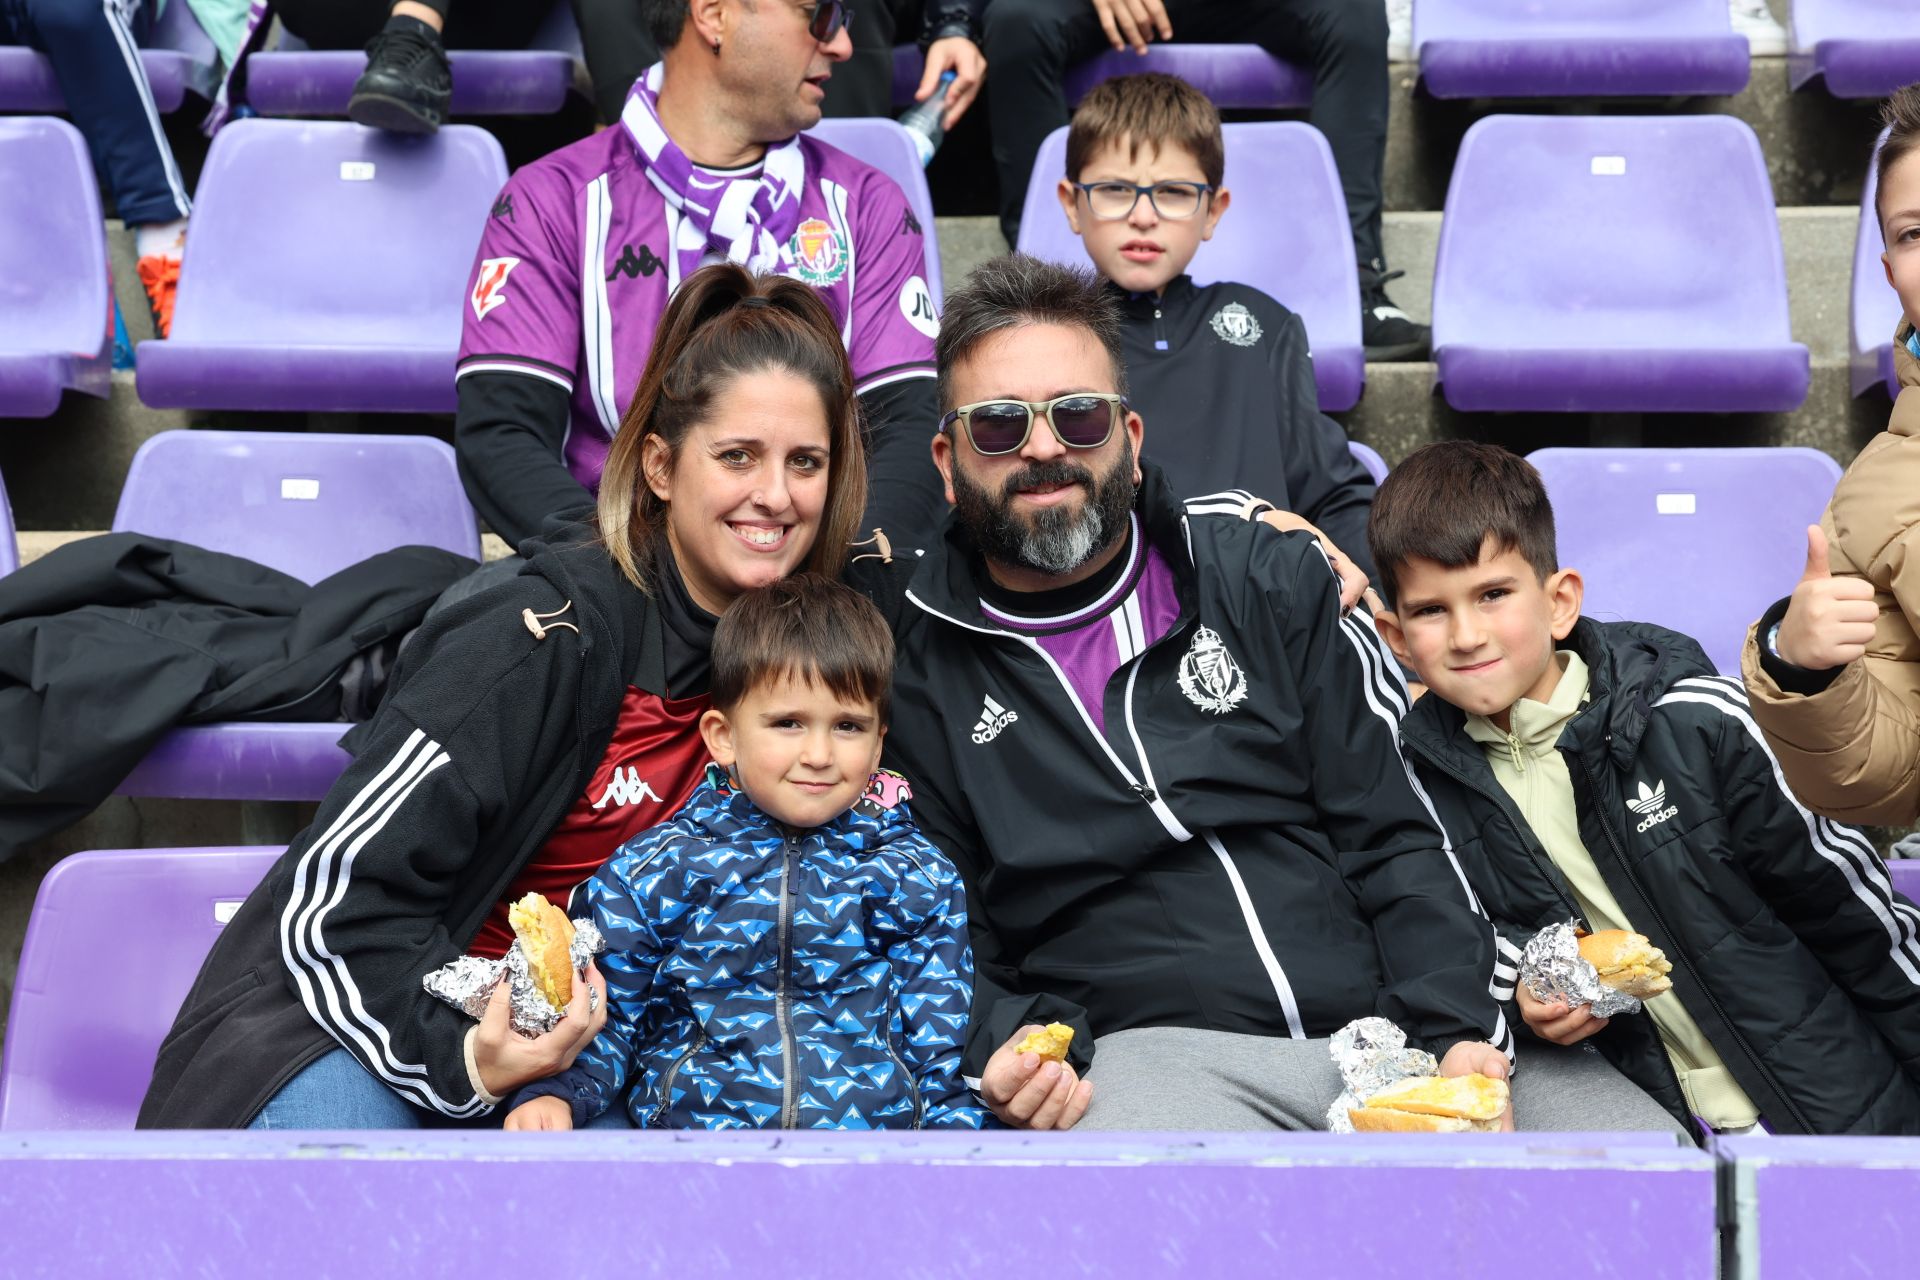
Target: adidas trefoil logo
[
  {"x": 625, "y": 788},
  {"x": 993, "y": 719},
  {"x": 1652, "y": 806}
]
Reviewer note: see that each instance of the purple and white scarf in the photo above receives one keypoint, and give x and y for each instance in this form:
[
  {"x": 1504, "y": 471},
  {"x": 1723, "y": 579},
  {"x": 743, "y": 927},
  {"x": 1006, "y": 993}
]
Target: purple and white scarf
[{"x": 748, "y": 219}]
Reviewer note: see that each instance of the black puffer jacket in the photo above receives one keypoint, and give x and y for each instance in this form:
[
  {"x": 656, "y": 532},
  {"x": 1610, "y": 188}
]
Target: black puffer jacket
[{"x": 1789, "y": 945}]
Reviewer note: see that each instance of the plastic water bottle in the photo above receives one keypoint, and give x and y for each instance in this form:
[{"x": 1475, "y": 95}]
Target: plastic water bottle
[{"x": 923, "y": 120}]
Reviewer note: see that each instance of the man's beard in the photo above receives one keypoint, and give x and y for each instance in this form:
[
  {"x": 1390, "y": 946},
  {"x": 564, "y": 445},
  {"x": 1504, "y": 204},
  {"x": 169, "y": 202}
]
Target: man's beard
[{"x": 1055, "y": 539}]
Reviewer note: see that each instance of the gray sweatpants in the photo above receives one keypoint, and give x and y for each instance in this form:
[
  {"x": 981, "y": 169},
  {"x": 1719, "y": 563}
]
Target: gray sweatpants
[{"x": 1186, "y": 1078}]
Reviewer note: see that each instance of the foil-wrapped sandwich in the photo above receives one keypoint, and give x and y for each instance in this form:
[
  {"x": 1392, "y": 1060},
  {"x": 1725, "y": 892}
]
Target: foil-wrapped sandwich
[
  {"x": 1612, "y": 971},
  {"x": 548, "y": 953},
  {"x": 1434, "y": 1104}
]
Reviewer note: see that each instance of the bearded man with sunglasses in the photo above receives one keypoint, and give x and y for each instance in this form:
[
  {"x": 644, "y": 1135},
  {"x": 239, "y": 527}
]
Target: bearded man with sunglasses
[
  {"x": 1162, "y": 758},
  {"x": 708, "y": 161}
]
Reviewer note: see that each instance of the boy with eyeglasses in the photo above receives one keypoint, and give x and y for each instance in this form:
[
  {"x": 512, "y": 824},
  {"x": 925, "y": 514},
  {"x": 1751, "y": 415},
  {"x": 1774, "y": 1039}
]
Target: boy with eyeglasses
[{"x": 1221, "y": 372}]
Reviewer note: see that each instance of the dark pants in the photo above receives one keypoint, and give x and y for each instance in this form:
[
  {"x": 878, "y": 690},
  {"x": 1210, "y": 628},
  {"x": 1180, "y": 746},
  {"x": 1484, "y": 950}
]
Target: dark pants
[
  {"x": 863, "y": 84},
  {"x": 1030, "y": 44},
  {"x": 470, "y": 24},
  {"x": 618, "y": 48},
  {"x": 92, "y": 48}
]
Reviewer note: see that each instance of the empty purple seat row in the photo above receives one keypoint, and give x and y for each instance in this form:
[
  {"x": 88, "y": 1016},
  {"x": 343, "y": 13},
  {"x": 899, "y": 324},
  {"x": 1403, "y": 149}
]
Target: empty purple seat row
[
  {"x": 1874, "y": 311},
  {"x": 1858, "y": 48},
  {"x": 179, "y": 57},
  {"x": 1906, "y": 876},
  {"x": 293, "y": 80},
  {"x": 308, "y": 505},
  {"x": 1289, "y": 237},
  {"x": 1232, "y": 75},
  {"x": 1814, "y": 1208},
  {"x": 326, "y": 270},
  {"x": 76, "y": 1062},
  {"x": 1636, "y": 522},
  {"x": 1528, "y": 49},
  {"x": 56, "y": 319},
  {"x": 1590, "y": 264}
]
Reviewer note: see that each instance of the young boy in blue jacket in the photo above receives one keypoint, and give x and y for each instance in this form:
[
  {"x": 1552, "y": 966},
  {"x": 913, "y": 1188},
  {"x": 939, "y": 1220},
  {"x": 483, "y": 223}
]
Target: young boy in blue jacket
[
  {"x": 1602, "y": 771},
  {"x": 789, "y": 951}
]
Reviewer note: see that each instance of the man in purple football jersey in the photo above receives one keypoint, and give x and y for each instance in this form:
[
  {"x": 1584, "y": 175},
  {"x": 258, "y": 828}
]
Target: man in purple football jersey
[{"x": 708, "y": 162}]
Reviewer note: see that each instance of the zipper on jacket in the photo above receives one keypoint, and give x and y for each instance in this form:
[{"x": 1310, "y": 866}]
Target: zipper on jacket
[
  {"x": 1144, "y": 790},
  {"x": 1159, "y": 332},
  {"x": 913, "y": 1086},
  {"x": 1685, "y": 961},
  {"x": 789, "y": 877},
  {"x": 1503, "y": 802},
  {"x": 666, "y": 1081}
]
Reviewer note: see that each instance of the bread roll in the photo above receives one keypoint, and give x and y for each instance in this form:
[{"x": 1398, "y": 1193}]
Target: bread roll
[
  {"x": 1434, "y": 1104},
  {"x": 1628, "y": 962},
  {"x": 1050, "y": 1042},
  {"x": 546, "y": 939}
]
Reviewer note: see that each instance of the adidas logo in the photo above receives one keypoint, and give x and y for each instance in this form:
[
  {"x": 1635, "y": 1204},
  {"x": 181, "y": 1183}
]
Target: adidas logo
[
  {"x": 1652, "y": 805},
  {"x": 993, "y": 719},
  {"x": 626, "y": 788}
]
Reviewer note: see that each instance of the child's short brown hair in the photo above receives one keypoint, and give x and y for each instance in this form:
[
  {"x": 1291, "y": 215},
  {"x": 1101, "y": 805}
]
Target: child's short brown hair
[
  {"x": 1151, "y": 108},
  {"x": 1447, "y": 499},
  {"x": 806, "y": 627},
  {"x": 1901, "y": 115}
]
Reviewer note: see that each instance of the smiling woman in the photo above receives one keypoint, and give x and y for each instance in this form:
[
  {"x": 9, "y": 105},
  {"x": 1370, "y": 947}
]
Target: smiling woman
[
  {"x": 532, "y": 728},
  {"x": 724, "y": 455}
]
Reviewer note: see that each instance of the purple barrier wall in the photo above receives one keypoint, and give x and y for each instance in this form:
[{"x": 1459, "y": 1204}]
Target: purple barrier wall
[
  {"x": 921, "y": 1205},
  {"x": 1823, "y": 1208}
]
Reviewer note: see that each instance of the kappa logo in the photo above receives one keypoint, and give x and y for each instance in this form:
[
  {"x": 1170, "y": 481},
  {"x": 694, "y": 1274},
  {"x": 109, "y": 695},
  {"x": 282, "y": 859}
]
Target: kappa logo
[
  {"x": 503, "y": 208},
  {"x": 634, "y": 265},
  {"x": 993, "y": 720},
  {"x": 1652, "y": 806},
  {"x": 1235, "y": 324},
  {"x": 1209, "y": 676},
  {"x": 625, "y": 788},
  {"x": 489, "y": 285}
]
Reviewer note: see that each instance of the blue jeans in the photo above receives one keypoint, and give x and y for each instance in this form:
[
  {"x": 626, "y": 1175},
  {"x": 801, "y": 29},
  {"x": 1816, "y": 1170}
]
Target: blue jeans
[{"x": 336, "y": 1092}]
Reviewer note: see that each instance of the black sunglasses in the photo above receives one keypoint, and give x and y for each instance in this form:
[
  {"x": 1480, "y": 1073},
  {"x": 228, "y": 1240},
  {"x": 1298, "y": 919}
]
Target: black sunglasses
[
  {"x": 1080, "y": 420},
  {"x": 826, "y": 18}
]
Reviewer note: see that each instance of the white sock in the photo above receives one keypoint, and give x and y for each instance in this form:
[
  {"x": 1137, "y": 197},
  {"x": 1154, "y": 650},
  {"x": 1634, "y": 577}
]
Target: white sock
[{"x": 165, "y": 239}]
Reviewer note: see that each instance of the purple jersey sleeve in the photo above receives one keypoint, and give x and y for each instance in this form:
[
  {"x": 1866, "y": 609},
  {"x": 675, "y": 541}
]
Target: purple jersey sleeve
[
  {"x": 894, "y": 320},
  {"x": 522, "y": 312}
]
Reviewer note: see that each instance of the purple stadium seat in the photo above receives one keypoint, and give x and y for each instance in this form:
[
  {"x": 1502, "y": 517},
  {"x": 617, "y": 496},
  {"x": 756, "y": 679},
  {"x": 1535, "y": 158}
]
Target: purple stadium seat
[
  {"x": 308, "y": 505},
  {"x": 1232, "y": 75},
  {"x": 9, "y": 550},
  {"x": 1814, "y": 1208},
  {"x": 1676, "y": 537},
  {"x": 1906, "y": 876},
  {"x": 1533, "y": 49},
  {"x": 293, "y": 80},
  {"x": 56, "y": 322},
  {"x": 1376, "y": 465},
  {"x": 113, "y": 945},
  {"x": 1875, "y": 311},
  {"x": 1593, "y": 264},
  {"x": 179, "y": 56},
  {"x": 326, "y": 271},
  {"x": 1288, "y": 236},
  {"x": 1862, "y": 48},
  {"x": 888, "y": 147}
]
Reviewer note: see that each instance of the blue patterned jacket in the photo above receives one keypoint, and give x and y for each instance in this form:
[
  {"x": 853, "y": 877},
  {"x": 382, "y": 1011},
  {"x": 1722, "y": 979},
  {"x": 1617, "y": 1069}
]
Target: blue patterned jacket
[{"x": 762, "y": 980}]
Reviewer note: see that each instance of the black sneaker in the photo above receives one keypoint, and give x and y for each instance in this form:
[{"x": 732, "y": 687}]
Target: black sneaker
[
  {"x": 406, "y": 85},
  {"x": 1385, "y": 330}
]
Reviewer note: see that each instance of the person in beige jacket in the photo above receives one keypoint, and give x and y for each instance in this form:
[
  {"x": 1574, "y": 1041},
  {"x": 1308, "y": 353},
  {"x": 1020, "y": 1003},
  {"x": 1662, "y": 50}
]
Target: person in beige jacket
[{"x": 1833, "y": 671}]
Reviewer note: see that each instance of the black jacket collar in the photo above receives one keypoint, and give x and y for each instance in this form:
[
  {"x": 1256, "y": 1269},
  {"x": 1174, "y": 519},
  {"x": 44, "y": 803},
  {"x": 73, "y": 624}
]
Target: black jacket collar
[
  {"x": 1178, "y": 295},
  {"x": 1629, "y": 666}
]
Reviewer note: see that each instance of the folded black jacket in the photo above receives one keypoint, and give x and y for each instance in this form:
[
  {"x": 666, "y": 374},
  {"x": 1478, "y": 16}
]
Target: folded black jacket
[{"x": 107, "y": 643}]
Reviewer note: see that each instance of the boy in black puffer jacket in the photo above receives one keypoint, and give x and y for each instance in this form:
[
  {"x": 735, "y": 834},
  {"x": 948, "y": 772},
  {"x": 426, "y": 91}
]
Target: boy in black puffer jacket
[{"x": 1601, "y": 771}]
